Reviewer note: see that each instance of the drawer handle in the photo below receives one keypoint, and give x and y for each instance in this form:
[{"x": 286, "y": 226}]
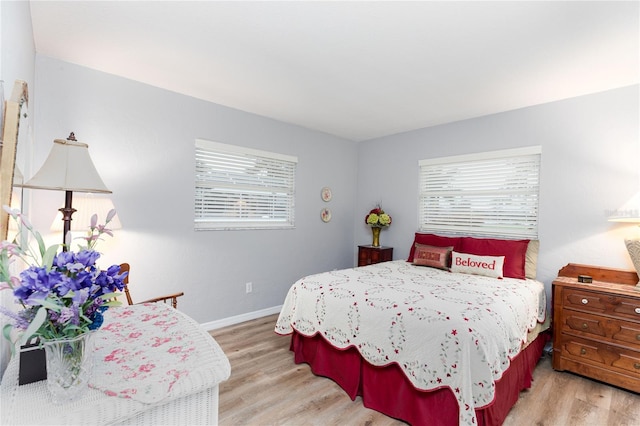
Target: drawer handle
[
  {"x": 636, "y": 365},
  {"x": 637, "y": 310},
  {"x": 585, "y": 326},
  {"x": 637, "y": 336},
  {"x": 585, "y": 301},
  {"x": 583, "y": 351}
]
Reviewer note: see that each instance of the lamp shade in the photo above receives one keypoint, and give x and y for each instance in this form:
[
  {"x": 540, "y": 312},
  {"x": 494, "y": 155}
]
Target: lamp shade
[
  {"x": 629, "y": 212},
  {"x": 87, "y": 205},
  {"x": 68, "y": 168},
  {"x": 18, "y": 178}
]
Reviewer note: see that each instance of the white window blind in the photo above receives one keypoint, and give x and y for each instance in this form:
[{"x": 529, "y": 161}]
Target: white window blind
[
  {"x": 243, "y": 188},
  {"x": 486, "y": 194}
]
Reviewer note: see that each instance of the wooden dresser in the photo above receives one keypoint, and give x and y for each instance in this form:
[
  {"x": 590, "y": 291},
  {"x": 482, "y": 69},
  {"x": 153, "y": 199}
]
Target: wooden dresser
[
  {"x": 596, "y": 326},
  {"x": 368, "y": 255}
]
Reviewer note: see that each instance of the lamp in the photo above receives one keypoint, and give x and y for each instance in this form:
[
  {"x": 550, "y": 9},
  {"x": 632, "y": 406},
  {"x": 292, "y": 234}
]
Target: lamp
[
  {"x": 629, "y": 212},
  {"x": 68, "y": 168},
  {"x": 86, "y": 205}
]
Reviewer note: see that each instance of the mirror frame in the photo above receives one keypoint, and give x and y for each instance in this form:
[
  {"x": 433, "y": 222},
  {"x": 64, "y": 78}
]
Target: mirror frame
[{"x": 8, "y": 149}]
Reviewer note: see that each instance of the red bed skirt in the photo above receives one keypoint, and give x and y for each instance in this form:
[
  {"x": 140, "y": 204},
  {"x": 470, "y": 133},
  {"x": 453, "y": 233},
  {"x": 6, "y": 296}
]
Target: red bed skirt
[{"x": 387, "y": 390}]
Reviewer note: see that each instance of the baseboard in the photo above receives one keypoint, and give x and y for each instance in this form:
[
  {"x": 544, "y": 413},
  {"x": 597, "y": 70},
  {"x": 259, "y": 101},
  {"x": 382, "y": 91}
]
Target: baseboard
[{"x": 214, "y": 325}]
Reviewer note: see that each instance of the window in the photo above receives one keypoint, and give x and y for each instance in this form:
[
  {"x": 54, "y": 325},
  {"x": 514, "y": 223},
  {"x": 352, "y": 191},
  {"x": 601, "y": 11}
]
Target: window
[
  {"x": 243, "y": 188},
  {"x": 486, "y": 194}
]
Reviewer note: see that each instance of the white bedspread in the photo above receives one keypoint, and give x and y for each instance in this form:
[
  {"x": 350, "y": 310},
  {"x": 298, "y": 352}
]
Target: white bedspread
[{"x": 441, "y": 328}]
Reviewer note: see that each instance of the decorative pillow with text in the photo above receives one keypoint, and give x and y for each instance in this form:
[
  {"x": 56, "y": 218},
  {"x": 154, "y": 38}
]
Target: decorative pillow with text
[
  {"x": 434, "y": 240},
  {"x": 435, "y": 257},
  {"x": 489, "y": 266},
  {"x": 514, "y": 252}
]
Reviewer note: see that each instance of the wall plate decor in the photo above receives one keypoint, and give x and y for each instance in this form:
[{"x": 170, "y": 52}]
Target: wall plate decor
[
  {"x": 325, "y": 215},
  {"x": 326, "y": 194}
]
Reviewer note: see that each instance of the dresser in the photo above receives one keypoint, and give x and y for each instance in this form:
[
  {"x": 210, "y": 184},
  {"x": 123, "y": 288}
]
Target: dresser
[
  {"x": 368, "y": 255},
  {"x": 596, "y": 326}
]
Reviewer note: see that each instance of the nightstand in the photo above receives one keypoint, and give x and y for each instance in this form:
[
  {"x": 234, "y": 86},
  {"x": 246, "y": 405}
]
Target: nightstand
[
  {"x": 368, "y": 255},
  {"x": 596, "y": 326}
]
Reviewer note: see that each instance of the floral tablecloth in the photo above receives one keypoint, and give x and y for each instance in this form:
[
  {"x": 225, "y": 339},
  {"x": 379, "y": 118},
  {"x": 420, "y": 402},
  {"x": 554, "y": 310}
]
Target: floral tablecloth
[
  {"x": 443, "y": 329},
  {"x": 125, "y": 367},
  {"x": 150, "y": 362}
]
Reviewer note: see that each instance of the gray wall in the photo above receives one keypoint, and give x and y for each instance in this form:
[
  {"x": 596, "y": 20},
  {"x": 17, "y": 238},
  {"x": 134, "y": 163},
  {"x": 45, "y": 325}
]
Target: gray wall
[
  {"x": 590, "y": 165},
  {"x": 17, "y": 62},
  {"x": 17, "y": 59},
  {"x": 141, "y": 140}
]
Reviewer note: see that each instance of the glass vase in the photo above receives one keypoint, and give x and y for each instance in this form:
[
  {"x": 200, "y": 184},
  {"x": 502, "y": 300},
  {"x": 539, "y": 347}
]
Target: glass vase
[
  {"x": 376, "y": 236},
  {"x": 69, "y": 366}
]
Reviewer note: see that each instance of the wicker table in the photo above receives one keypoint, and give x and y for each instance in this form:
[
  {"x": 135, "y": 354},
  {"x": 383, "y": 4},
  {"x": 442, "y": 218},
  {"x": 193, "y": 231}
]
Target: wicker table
[{"x": 153, "y": 365}]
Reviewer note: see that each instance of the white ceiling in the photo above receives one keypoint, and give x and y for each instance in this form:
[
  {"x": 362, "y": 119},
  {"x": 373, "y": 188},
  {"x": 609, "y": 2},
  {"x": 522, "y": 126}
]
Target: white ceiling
[{"x": 355, "y": 69}]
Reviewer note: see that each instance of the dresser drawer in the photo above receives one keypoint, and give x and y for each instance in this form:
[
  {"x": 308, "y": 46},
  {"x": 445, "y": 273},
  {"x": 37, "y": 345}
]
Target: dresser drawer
[
  {"x": 585, "y": 324},
  {"x": 602, "y": 303},
  {"x": 625, "y": 333},
  {"x": 590, "y": 352},
  {"x": 628, "y": 333}
]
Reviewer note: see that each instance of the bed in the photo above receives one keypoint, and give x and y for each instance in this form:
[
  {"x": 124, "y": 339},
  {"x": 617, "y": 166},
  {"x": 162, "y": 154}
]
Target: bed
[{"x": 433, "y": 339}]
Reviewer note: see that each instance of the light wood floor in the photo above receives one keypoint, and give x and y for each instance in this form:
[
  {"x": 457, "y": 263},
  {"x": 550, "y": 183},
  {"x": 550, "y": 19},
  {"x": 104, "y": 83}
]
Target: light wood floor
[{"x": 267, "y": 388}]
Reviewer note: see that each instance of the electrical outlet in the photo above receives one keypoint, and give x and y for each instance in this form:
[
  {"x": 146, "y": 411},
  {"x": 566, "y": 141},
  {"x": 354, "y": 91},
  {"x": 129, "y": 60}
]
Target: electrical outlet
[{"x": 249, "y": 287}]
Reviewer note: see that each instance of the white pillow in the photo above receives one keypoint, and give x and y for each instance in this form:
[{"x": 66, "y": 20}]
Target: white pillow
[{"x": 489, "y": 266}]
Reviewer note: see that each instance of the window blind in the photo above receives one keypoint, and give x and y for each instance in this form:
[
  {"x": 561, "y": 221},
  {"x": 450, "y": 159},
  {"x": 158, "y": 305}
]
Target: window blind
[
  {"x": 243, "y": 188},
  {"x": 487, "y": 194}
]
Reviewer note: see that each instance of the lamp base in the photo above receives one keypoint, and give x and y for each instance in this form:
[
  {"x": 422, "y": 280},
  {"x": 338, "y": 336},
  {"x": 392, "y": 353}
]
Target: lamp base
[{"x": 633, "y": 247}]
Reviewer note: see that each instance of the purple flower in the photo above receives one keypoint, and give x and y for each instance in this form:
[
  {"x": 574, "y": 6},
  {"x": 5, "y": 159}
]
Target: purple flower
[
  {"x": 62, "y": 259},
  {"x": 95, "y": 305},
  {"x": 36, "y": 284},
  {"x": 87, "y": 257},
  {"x": 110, "y": 280},
  {"x": 80, "y": 296},
  {"x": 20, "y": 320},
  {"x": 65, "y": 315},
  {"x": 69, "y": 290}
]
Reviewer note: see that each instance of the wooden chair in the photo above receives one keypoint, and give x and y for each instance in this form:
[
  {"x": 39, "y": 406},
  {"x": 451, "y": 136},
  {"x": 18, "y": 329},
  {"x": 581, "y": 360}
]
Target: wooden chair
[{"x": 124, "y": 267}]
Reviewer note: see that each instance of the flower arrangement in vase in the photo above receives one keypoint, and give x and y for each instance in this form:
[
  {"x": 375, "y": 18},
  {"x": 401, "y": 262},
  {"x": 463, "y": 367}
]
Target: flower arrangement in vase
[
  {"x": 63, "y": 296},
  {"x": 377, "y": 219}
]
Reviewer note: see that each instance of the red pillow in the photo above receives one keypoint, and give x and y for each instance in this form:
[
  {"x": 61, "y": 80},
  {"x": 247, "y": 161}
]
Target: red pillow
[
  {"x": 434, "y": 240},
  {"x": 514, "y": 252},
  {"x": 435, "y": 257}
]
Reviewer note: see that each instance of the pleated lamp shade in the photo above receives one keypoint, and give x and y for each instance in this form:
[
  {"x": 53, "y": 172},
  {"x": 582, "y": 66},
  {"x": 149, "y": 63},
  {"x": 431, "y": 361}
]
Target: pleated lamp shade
[
  {"x": 68, "y": 168},
  {"x": 87, "y": 205}
]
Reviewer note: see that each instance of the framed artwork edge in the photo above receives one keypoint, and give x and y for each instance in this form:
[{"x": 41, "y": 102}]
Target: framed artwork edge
[{"x": 10, "y": 131}]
